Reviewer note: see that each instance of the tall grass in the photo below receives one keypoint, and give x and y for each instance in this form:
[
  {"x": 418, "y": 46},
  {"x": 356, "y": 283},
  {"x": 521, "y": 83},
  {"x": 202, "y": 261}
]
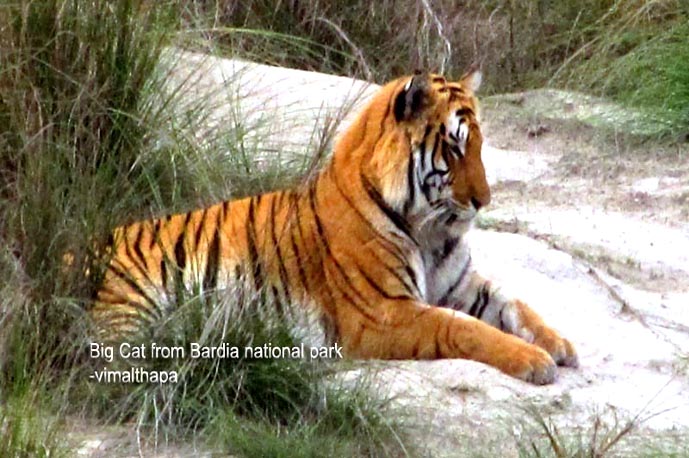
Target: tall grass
[
  {"x": 74, "y": 79},
  {"x": 74, "y": 124},
  {"x": 92, "y": 136},
  {"x": 27, "y": 424},
  {"x": 27, "y": 430},
  {"x": 374, "y": 40}
]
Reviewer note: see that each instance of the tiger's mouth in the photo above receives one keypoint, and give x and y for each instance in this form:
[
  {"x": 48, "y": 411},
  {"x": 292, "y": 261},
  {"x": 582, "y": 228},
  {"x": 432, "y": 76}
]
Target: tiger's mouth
[
  {"x": 450, "y": 212},
  {"x": 462, "y": 216}
]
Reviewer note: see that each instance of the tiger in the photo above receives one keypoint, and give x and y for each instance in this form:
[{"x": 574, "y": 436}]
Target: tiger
[{"x": 373, "y": 245}]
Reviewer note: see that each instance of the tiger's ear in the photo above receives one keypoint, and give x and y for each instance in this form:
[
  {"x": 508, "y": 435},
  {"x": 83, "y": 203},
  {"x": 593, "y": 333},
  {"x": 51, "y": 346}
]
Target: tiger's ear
[
  {"x": 412, "y": 98},
  {"x": 472, "y": 78}
]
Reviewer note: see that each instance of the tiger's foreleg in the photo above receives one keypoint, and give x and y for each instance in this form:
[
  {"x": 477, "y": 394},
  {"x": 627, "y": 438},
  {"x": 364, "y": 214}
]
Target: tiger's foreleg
[
  {"x": 513, "y": 316},
  {"x": 412, "y": 330}
]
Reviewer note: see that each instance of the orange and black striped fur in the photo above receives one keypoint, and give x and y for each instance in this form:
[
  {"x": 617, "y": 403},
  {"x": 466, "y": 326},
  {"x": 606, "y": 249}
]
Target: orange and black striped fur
[{"x": 372, "y": 248}]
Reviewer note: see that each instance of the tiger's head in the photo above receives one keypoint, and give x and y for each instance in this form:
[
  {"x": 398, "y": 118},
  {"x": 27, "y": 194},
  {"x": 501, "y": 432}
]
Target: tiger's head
[{"x": 419, "y": 145}]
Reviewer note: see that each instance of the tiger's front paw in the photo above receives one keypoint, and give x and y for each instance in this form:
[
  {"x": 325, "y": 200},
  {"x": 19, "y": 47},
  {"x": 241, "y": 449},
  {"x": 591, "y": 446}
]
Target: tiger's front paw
[
  {"x": 534, "y": 330},
  {"x": 531, "y": 364},
  {"x": 561, "y": 350}
]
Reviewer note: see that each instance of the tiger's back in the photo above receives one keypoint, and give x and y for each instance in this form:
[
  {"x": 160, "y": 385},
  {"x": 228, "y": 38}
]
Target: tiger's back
[
  {"x": 372, "y": 248},
  {"x": 231, "y": 244}
]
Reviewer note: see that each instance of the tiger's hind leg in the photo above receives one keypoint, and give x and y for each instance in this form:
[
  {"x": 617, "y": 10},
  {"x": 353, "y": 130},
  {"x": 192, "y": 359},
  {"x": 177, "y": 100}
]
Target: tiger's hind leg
[{"x": 515, "y": 317}]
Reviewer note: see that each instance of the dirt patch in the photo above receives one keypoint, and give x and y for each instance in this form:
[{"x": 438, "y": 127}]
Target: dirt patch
[
  {"x": 590, "y": 160},
  {"x": 593, "y": 173}
]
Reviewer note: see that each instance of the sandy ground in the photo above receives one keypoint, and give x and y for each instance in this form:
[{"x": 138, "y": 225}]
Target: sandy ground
[{"x": 590, "y": 228}]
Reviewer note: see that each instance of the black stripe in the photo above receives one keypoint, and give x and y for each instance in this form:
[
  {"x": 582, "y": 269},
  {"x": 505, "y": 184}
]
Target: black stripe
[
  {"x": 414, "y": 292},
  {"x": 412, "y": 276},
  {"x": 254, "y": 261},
  {"x": 324, "y": 242},
  {"x": 397, "y": 219},
  {"x": 445, "y": 152},
  {"x": 210, "y": 277},
  {"x": 427, "y": 168},
  {"x": 137, "y": 244},
  {"x": 163, "y": 272},
  {"x": 391, "y": 246},
  {"x": 380, "y": 290},
  {"x": 137, "y": 257},
  {"x": 133, "y": 256},
  {"x": 411, "y": 184},
  {"x": 199, "y": 230},
  {"x": 439, "y": 256},
  {"x": 122, "y": 274},
  {"x": 284, "y": 279},
  {"x": 394, "y": 272},
  {"x": 157, "y": 240},
  {"x": 155, "y": 235},
  {"x": 297, "y": 255},
  {"x": 485, "y": 298},
  {"x": 474, "y": 307},
  {"x": 277, "y": 302},
  {"x": 463, "y": 112},
  {"x": 181, "y": 261},
  {"x": 180, "y": 250},
  {"x": 362, "y": 310},
  {"x": 443, "y": 300}
]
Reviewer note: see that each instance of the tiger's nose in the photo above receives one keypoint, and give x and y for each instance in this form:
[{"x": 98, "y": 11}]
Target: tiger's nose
[
  {"x": 475, "y": 202},
  {"x": 480, "y": 202}
]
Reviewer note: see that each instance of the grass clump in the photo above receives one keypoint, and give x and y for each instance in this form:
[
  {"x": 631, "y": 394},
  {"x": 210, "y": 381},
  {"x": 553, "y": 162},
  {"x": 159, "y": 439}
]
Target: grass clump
[
  {"x": 28, "y": 425},
  {"x": 546, "y": 439},
  {"x": 608, "y": 434},
  {"x": 27, "y": 430},
  {"x": 254, "y": 405}
]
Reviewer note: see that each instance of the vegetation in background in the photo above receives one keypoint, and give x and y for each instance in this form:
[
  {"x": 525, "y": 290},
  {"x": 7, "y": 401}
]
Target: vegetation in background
[
  {"x": 632, "y": 50},
  {"x": 638, "y": 55}
]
